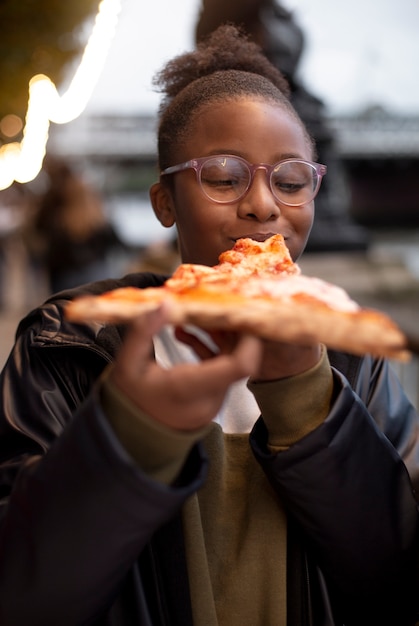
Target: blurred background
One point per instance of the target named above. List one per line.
(77, 143)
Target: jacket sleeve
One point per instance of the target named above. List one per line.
(349, 487)
(76, 511)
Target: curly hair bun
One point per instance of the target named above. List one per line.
(227, 48)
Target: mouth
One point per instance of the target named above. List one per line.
(261, 237)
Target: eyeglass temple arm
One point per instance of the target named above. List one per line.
(178, 168)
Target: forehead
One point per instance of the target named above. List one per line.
(246, 126)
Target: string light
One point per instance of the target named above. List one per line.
(23, 161)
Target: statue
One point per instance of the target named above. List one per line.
(274, 28)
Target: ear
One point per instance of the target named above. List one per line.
(162, 203)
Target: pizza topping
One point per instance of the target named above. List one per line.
(256, 288)
(247, 259)
(258, 257)
(289, 287)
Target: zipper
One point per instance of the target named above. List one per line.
(306, 591)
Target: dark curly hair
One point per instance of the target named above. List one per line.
(225, 66)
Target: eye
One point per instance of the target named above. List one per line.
(292, 178)
(224, 174)
(216, 176)
(288, 186)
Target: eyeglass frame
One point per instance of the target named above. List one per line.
(198, 163)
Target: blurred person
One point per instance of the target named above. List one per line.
(275, 29)
(70, 233)
(15, 280)
(160, 257)
(152, 476)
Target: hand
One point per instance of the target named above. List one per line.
(187, 396)
(279, 360)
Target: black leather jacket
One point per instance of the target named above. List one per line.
(87, 538)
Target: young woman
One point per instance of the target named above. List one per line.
(130, 492)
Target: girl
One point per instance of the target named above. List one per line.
(131, 494)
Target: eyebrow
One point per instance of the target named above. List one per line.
(282, 157)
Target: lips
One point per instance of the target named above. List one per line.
(256, 236)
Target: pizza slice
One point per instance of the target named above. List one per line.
(255, 288)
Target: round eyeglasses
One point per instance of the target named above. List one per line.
(226, 178)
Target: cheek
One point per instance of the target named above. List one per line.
(301, 226)
(189, 220)
(194, 224)
(302, 219)
(194, 213)
(309, 219)
(304, 230)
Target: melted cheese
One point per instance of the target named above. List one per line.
(289, 287)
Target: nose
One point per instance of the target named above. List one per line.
(259, 203)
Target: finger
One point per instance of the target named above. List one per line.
(137, 344)
(248, 352)
(218, 373)
(202, 350)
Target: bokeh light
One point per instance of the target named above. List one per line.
(22, 161)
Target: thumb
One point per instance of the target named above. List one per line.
(137, 344)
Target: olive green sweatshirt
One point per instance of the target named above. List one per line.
(234, 527)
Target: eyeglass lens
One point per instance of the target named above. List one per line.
(226, 179)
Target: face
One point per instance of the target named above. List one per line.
(260, 132)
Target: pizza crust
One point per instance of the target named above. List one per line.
(360, 332)
(268, 298)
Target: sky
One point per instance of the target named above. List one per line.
(358, 54)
